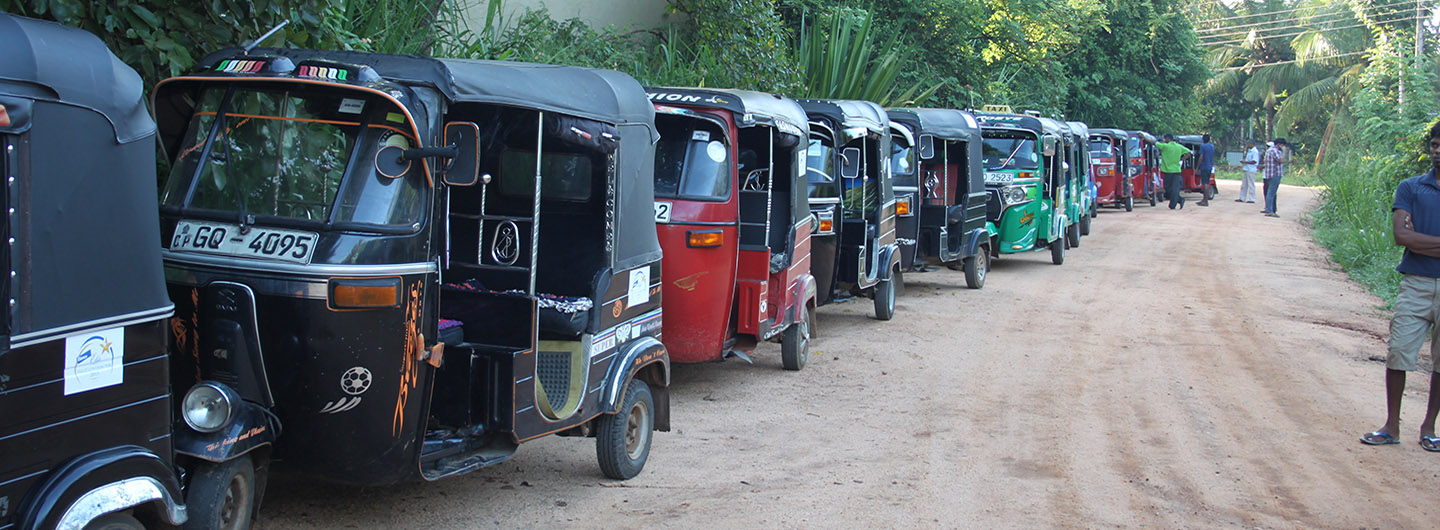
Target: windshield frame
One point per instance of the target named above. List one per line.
(728, 166)
(1012, 135)
(364, 141)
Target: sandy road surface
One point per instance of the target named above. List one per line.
(1204, 368)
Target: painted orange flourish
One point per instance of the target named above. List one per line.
(409, 373)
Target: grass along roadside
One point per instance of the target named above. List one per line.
(1302, 176)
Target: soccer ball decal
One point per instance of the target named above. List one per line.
(355, 381)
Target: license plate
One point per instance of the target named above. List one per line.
(662, 211)
(998, 178)
(262, 243)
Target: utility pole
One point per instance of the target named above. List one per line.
(1419, 31)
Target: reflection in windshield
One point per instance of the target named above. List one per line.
(902, 165)
(691, 164)
(1010, 153)
(1134, 148)
(1100, 148)
(284, 154)
(820, 169)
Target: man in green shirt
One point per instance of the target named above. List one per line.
(1171, 153)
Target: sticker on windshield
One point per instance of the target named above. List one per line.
(293, 246)
(700, 136)
(996, 177)
(352, 106)
(716, 150)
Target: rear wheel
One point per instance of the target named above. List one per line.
(222, 496)
(1094, 211)
(1072, 235)
(1057, 251)
(622, 440)
(1084, 225)
(1152, 197)
(1214, 191)
(976, 268)
(885, 297)
(899, 279)
(795, 345)
(1129, 203)
(115, 521)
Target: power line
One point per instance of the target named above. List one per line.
(1334, 16)
(1199, 22)
(1243, 67)
(1308, 30)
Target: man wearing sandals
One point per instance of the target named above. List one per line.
(1416, 219)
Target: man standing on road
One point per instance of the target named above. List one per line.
(1171, 153)
(1205, 169)
(1274, 165)
(1416, 220)
(1250, 165)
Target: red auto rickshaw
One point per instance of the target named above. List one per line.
(1110, 167)
(734, 222)
(1190, 179)
(1144, 167)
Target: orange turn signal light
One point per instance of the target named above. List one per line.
(1025, 174)
(827, 225)
(902, 207)
(364, 293)
(704, 238)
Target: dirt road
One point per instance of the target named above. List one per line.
(1203, 368)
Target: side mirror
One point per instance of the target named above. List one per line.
(927, 146)
(850, 166)
(1048, 145)
(464, 169)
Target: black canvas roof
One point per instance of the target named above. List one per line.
(1190, 139)
(948, 124)
(1119, 133)
(1080, 129)
(849, 113)
(764, 108)
(1013, 121)
(48, 61)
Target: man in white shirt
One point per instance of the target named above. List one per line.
(1250, 166)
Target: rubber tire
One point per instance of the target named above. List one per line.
(210, 500)
(1129, 203)
(1084, 225)
(976, 268)
(612, 433)
(1152, 198)
(795, 344)
(1057, 251)
(115, 521)
(1072, 235)
(1094, 211)
(1214, 191)
(885, 298)
(899, 280)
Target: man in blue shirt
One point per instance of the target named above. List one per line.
(1205, 169)
(1416, 220)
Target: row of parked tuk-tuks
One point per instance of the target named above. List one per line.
(373, 268)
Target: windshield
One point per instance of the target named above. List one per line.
(691, 162)
(820, 169)
(284, 154)
(1134, 147)
(902, 165)
(1100, 147)
(1010, 152)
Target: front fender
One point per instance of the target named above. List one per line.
(633, 357)
(890, 256)
(974, 238)
(248, 430)
(110, 480)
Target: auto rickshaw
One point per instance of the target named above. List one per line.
(1145, 167)
(1190, 178)
(853, 250)
(1023, 158)
(390, 268)
(1111, 168)
(946, 192)
(1079, 147)
(734, 221)
(85, 438)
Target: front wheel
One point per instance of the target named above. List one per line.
(1129, 203)
(1214, 191)
(1153, 194)
(1084, 225)
(885, 298)
(1072, 235)
(976, 268)
(622, 440)
(222, 496)
(115, 521)
(795, 344)
(1094, 211)
(1057, 251)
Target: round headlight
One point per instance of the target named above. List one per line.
(206, 408)
(1015, 194)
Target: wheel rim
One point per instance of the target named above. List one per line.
(234, 512)
(982, 265)
(637, 433)
(804, 345)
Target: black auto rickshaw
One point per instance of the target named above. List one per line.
(377, 279)
(946, 185)
(85, 401)
(853, 251)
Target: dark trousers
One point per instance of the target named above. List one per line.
(1172, 189)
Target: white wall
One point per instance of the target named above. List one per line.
(597, 13)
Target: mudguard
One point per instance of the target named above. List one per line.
(110, 480)
(805, 293)
(973, 239)
(249, 429)
(633, 357)
(990, 229)
(890, 256)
